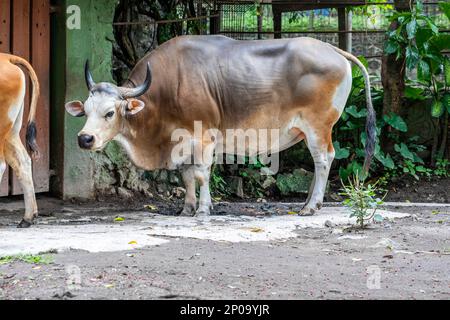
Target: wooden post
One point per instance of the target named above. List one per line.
(259, 17)
(277, 23)
(5, 33)
(214, 23)
(342, 26)
(349, 28)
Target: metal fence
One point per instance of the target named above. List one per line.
(366, 27)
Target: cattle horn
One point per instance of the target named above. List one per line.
(139, 90)
(88, 76)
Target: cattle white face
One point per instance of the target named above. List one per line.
(105, 109)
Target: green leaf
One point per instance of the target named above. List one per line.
(341, 153)
(386, 161)
(352, 110)
(423, 71)
(412, 57)
(419, 6)
(396, 122)
(423, 35)
(415, 93)
(437, 109)
(447, 71)
(446, 101)
(445, 7)
(404, 151)
(391, 47)
(441, 42)
(411, 29)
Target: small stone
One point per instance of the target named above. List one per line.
(329, 224)
(179, 192)
(124, 193)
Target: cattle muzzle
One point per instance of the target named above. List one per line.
(86, 141)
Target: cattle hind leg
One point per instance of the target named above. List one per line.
(202, 174)
(19, 160)
(190, 199)
(322, 152)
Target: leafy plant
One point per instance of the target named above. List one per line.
(218, 184)
(418, 40)
(442, 168)
(362, 200)
(27, 258)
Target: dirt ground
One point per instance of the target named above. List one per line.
(406, 258)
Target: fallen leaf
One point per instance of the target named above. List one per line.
(132, 242)
(292, 212)
(151, 207)
(256, 230)
(109, 286)
(119, 219)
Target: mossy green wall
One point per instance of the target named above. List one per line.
(75, 169)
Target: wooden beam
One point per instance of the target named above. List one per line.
(342, 26)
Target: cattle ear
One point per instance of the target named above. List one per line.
(134, 106)
(75, 108)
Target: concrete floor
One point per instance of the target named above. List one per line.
(248, 251)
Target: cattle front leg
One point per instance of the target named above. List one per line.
(19, 160)
(190, 200)
(202, 174)
(323, 156)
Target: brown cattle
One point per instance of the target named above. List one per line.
(298, 87)
(12, 151)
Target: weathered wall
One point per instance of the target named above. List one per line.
(80, 174)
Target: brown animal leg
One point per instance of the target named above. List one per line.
(202, 174)
(19, 160)
(190, 200)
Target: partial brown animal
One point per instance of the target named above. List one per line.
(12, 151)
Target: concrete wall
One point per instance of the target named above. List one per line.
(75, 170)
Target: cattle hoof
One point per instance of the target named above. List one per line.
(202, 213)
(307, 212)
(187, 212)
(24, 224)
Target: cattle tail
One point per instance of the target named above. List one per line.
(371, 130)
(31, 126)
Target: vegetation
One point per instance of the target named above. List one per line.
(362, 200)
(27, 258)
(364, 17)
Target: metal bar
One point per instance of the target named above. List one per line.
(358, 3)
(318, 31)
(164, 21)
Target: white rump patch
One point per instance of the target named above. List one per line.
(343, 90)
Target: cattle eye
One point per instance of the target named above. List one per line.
(109, 115)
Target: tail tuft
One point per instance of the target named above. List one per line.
(31, 140)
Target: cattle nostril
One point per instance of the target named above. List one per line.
(86, 141)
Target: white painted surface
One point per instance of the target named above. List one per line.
(155, 230)
(92, 238)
